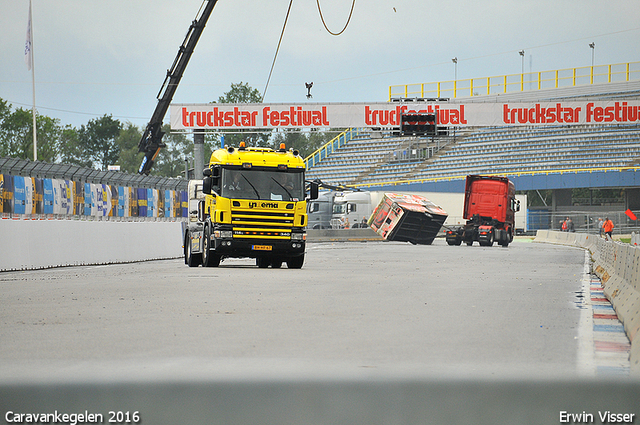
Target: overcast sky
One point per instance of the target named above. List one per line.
(110, 56)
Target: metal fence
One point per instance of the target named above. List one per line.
(38, 169)
(583, 221)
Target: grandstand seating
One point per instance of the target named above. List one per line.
(503, 150)
(488, 150)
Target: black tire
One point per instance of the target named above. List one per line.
(295, 262)
(209, 258)
(191, 259)
(276, 263)
(262, 262)
(489, 242)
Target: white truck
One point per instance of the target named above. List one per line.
(353, 209)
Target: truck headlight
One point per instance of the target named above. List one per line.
(298, 236)
(224, 234)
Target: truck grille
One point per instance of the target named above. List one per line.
(262, 224)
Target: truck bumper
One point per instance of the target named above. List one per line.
(255, 248)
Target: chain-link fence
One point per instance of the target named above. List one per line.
(581, 221)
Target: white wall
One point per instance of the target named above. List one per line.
(34, 244)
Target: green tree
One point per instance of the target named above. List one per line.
(98, 141)
(241, 93)
(71, 150)
(171, 159)
(16, 134)
(129, 158)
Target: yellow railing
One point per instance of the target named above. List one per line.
(329, 147)
(517, 174)
(570, 77)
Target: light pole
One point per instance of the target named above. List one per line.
(521, 52)
(593, 52)
(455, 68)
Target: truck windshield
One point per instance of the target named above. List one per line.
(340, 208)
(262, 185)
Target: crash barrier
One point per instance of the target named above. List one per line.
(635, 239)
(36, 244)
(283, 397)
(38, 190)
(618, 266)
(337, 235)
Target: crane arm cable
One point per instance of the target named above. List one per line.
(277, 50)
(345, 25)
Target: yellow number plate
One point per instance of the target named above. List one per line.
(261, 247)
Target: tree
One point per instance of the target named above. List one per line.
(242, 93)
(171, 159)
(129, 158)
(305, 142)
(98, 140)
(16, 134)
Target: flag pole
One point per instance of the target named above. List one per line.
(31, 66)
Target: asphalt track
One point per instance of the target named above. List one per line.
(354, 306)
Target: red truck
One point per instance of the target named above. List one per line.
(489, 207)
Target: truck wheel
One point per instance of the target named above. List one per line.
(276, 263)
(262, 262)
(191, 259)
(209, 259)
(295, 262)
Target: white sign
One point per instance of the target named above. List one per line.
(217, 116)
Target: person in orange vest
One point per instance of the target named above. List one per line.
(608, 228)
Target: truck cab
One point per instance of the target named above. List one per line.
(254, 206)
(489, 207)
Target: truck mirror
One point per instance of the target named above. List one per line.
(207, 183)
(206, 172)
(517, 206)
(313, 190)
(201, 216)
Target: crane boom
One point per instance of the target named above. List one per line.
(151, 141)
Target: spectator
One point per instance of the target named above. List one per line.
(608, 228)
(600, 224)
(565, 223)
(570, 226)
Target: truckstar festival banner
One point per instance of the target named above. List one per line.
(218, 116)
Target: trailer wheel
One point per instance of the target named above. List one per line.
(190, 259)
(209, 259)
(295, 262)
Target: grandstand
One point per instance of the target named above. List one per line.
(554, 157)
(379, 158)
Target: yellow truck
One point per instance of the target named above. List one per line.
(255, 205)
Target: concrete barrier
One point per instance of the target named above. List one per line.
(37, 244)
(342, 235)
(618, 267)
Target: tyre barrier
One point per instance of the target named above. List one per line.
(618, 267)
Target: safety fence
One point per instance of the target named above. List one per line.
(618, 266)
(37, 190)
(501, 84)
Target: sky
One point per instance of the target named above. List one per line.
(93, 58)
